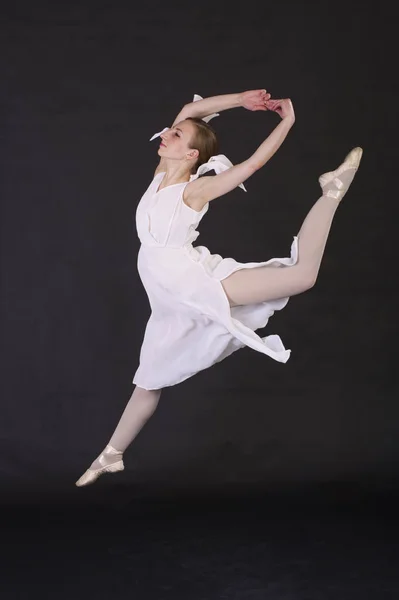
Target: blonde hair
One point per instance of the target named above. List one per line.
(204, 140)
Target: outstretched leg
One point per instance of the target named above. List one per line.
(139, 409)
(261, 284)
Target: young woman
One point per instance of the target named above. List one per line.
(205, 307)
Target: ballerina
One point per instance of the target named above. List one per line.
(205, 307)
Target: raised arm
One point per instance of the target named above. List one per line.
(251, 100)
(202, 190)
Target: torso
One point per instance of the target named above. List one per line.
(193, 202)
(164, 219)
(189, 196)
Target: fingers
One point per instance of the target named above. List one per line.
(263, 93)
(262, 100)
(256, 99)
(273, 104)
(265, 97)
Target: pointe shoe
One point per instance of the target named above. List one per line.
(91, 475)
(333, 181)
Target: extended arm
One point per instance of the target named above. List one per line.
(251, 100)
(204, 189)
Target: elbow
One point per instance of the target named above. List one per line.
(185, 112)
(309, 280)
(253, 166)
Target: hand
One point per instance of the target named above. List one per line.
(282, 107)
(255, 99)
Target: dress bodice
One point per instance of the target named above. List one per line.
(163, 219)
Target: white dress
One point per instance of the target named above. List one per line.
(192, 325)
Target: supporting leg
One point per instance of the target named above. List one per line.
(139, 409)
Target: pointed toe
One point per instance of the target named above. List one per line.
(336, 183)
(91, 475)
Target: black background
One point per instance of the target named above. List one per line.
(83, 89)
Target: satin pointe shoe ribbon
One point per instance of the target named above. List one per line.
(336, 183)
(338, 192)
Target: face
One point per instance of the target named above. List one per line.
(175, 142)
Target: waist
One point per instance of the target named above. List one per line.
(164, 248)
(157, 252)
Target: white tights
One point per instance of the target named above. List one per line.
(139, 409)
(249, 286)
(246, 286)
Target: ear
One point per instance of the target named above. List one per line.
(193, 153)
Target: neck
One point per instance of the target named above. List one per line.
(176, 172)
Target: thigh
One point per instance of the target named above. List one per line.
(260, 284)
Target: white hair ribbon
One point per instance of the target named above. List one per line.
(209, 117)
(159, 133)
(206, 119)
(218, 163)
